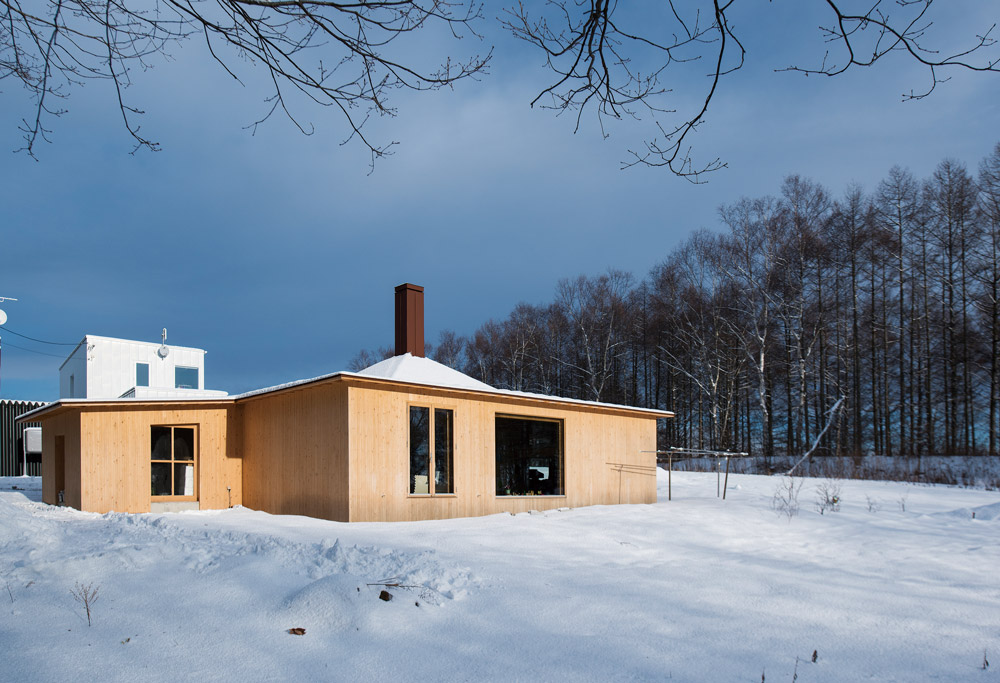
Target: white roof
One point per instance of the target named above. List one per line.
(416, 370)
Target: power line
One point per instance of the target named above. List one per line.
(40, 341)
(40, 353)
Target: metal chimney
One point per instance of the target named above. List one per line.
(410, 320)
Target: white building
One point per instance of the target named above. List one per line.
(108, 368)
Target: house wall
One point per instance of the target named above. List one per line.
(104, 367)
(294, 446)
(595, 442)
(75, 367)
(111, 365)
(64, 426)
(107, 455)
(340, 450)
(115, 456)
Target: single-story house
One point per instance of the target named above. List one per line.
(405, 439)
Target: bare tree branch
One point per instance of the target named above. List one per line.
(604, 57)
(598, 64)
(50, 46)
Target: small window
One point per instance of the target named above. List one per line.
(431, 451)
(142, 374)
(529, 456)
(173, 462)
(185, 378)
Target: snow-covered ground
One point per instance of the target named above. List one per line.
(697, 589)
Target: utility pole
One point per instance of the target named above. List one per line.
(3, 321)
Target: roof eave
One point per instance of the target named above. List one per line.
(64, 404)
(507, 394)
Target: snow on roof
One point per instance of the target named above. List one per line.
(410, 368)
(414, 370)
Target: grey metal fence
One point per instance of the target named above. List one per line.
(12, 435)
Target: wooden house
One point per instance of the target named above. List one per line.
(405, 439)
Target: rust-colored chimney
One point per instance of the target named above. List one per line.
(410, 320)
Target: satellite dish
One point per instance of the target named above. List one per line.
(3, 318)
(163, 351)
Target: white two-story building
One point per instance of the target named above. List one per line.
(109, 368)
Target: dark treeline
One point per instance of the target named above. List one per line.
(875, 314)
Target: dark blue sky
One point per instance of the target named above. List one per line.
(278, 253)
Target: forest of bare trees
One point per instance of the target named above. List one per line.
(887, 298)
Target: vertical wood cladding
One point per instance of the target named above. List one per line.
(339, 449)
(106, 462)
(595, 441)
(294, 446)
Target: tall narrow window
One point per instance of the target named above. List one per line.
(431, 451)
(443, 431)
(529, 456)
(185, 378)
(173, 461)
(420, 449)
(142, 374)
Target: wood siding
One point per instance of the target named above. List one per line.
(596, 444)
(338, 449)
(107, 455)
(64, 426)
(115, 473)
(294, 447)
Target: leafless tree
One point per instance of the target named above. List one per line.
(804, 327)
(615, 59)
(596, 309)
(950, 197)
(346, 55)
(368, 357)
(897, 206)
(754, 260)
(700, 342)
(989, 277)
(612, 58)
(450, 349)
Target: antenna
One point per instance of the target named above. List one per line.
(3, 316)
(163, 351)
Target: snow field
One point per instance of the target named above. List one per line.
(697, 589)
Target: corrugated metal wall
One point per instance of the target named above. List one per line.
(10, 438)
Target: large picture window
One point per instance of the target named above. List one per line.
(174, 462)
(432, 449)
(529, 454)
